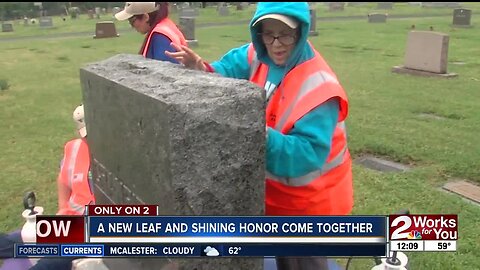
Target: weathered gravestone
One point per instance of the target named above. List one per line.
(115, 10)
(98, 11)
(74, 12)
(223, 11)
(336, 6)
(377, 18)
(385, 5)
(189, 141)
(462, 17)
(7, 27)
(313, 23)
(426, 54)
(25, 21)
(45, 22)
(242, 5)
(90, 14)
(105, 30)
(188, 12)
(187, 26)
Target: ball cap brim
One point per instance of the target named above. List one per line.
(291, 22)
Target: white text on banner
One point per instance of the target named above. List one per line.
(181, 239)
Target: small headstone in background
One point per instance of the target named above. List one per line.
(115, 10)
(462, 17)
(223, 11)
(426, 54)
(98, 11)
(74, 12)
(187, 26)
(104, 11)
(188, 12)
(313, 23)
(441, 4)
(385, 5)
(105, 29)
(7, 27)
(46, 22)
(25, 21)
(336, 6)
(377, 18)
(90, 14)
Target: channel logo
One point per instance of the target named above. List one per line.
(425, 227)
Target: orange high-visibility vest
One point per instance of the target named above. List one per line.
(168, 28)
(74, 174)
(327, 191)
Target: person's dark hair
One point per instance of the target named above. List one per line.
(154, 18)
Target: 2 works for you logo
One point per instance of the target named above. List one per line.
(423, 227)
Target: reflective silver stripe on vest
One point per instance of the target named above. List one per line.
(310, 177)
(254, 65)
(75, 206)
(71, 163)
(313, 81)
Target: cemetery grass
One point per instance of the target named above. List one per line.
(35, 119)
(210, 15)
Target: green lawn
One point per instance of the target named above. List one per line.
(35, 118)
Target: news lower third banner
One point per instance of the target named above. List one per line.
(248, 229)
(210, 236)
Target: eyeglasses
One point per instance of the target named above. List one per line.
(132, 19)
(286, 40)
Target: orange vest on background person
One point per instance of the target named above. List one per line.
(74, 174)
(328, 191)
(168, 28)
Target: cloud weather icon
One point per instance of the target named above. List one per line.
(210, 251)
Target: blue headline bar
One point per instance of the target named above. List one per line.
(246, 226)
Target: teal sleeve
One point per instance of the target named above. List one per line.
(306, 147)
(234, 64)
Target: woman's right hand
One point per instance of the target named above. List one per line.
(187, 57)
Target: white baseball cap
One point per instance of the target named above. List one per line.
(135, 8)
(79, 119)
(291, 22)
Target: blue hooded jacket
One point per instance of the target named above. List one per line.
(306, 147)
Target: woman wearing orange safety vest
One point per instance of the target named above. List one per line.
(151, 18)
(308, 165)
(74, 179)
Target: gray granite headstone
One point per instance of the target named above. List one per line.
(90, 14)
(385, 5)
(187, 26)
(25, 21)
(191, 142)
(462, 17)
(7, 27)
(313, 23)
(223, 11)
(46, 22)
(377, 18)
(105, 29)
(336, 6)
(188, 12)
(426, 55)
(98, 12)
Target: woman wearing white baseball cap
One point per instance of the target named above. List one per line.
(151, 18)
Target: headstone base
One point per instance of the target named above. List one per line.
(192, 43)
(95, 36)
(461, 26)
(404, 70)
